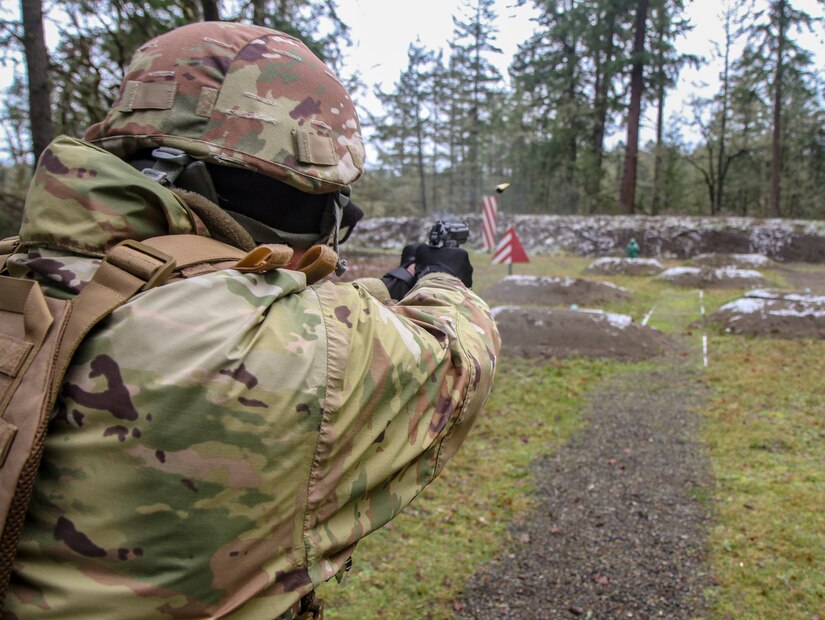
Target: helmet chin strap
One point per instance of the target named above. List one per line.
(338, 206)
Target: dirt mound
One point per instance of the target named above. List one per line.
(707, 277)
(610, 265)
(743, 261)
(773, 313)
(545, 333)
(552, 291)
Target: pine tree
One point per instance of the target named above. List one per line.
(549, 81)
(404, 130)
(773, 40)
(473, 82)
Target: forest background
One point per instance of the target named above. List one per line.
(451, 126)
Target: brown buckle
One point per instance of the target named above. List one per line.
(132, 256)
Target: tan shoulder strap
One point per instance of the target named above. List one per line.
(8, 246)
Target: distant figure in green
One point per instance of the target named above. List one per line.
(632, 248)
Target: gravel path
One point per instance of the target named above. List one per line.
(618, 531)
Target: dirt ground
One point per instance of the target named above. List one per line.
(552, 291)
(805, 281)
(544, 333)
(618, 530)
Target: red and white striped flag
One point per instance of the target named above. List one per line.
(489, 207)
(510, 250)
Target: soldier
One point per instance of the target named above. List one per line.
(221, 442)
(632, 249)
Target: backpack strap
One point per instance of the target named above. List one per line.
(8, 246)
(129, 267)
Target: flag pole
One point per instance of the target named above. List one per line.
(500, 188)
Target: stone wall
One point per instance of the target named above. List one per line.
(666, 236)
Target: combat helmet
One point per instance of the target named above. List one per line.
(242, 96)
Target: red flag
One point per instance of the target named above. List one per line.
(510, 250)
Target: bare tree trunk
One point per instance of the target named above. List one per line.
(658, 158)
(259, 12)
(661, 26)
(776, 145)
(627, 198)
(601, 89)
(419, 143)
(37, 65)
(721, 166)
(210, 10)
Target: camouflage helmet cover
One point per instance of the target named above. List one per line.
(242, 96)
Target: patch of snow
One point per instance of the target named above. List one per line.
(766, 294)
(525, 280)
(754, 260)
(761, 293)
(619, 321)
(495, 311)
(675, 272)
(804, 311)
(744, 305)
(607, 260)
(614, 261)
(651, 262)
(725, 273)
(616, 286)
(812, 299)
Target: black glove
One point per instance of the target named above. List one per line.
(399, 281)
(408, 254)
(454, 261)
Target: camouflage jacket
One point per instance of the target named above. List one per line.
(222, 442)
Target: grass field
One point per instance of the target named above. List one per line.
(764, 429)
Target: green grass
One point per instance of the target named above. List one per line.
(416, 566)
(765, 431)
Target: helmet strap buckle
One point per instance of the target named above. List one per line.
(169, 163)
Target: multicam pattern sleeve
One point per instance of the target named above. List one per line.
(405, 385)
(222, 442)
